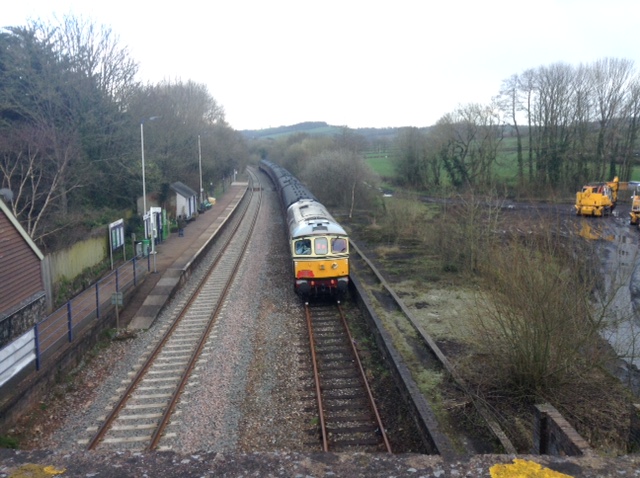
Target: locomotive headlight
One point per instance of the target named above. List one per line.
(334, 265)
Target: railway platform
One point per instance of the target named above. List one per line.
(173, 258)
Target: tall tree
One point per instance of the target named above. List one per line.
(630, 133)
(510, 102)
(95, 52)
(41, 152)
(412, 163)
(468, 142)
(554, 115)
(341, 178)
(580, 120)
(610, 80)
(105, 82)
(67, 84)
(527, 89)
(181, 112)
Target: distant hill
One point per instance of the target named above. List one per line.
(308, 127)
(319, 128)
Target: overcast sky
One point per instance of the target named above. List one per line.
(351, 62)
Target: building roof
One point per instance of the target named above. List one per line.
(20, 229)
(183, 189)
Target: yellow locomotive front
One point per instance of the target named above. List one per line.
(319, 251)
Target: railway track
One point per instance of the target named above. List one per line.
(141, 416)
(348, 416)
(430, 357)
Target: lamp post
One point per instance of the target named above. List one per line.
(144, 191)
(144, 184)
(200, 168)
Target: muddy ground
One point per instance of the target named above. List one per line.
(599, 410)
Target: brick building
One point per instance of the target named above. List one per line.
(22, 291)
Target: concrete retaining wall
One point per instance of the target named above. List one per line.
(553, 435)
(434, 441)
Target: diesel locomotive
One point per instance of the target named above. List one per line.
(319, 246)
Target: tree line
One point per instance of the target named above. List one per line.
(560, 124)
(72, 114)
(72, 117)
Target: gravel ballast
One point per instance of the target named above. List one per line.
(246, 392)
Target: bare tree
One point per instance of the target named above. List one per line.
(510, 101)
(630, 134)
(610, 79)
(554, 114)
(527, 87)
(581, 151)
(95, 52)
(41, 152)
(562, 104)
(182, 111)
(341, 178)
(34, 163)
(469, 140)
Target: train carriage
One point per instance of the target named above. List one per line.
(319, 246)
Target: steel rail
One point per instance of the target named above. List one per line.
(157, 434)
(316, 376)
(354, 360)
(164, 421)
(112, 415)
(363, 376)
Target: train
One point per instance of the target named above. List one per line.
(318, 244)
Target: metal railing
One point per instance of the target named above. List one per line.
(61, 327)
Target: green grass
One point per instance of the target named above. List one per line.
(505, 168)
(381, 164)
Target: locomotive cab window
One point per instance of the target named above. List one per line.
(321, 245)
(303, 247)
(338, 245)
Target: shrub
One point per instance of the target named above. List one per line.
(535, 316)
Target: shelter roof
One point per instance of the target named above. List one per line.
(183, 189)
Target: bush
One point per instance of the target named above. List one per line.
(535, 317)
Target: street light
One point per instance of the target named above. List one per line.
(200, 167)
(144, 192)
(144, 184)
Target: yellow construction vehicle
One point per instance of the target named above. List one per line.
(597, 199)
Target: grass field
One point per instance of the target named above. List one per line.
(505, 167)
(381, 163)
